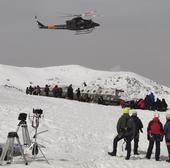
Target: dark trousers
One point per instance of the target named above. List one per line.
(150, 148)
(136, 141)
(168, 147)
(128, 140)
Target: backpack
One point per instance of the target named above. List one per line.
(131, 128)
(126, 127)
(155, 128)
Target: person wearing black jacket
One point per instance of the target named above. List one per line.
(70, 93)
(138, 128)
(125, 130)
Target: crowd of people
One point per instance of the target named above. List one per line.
(56, 91)
(65, 92)
(129, 128)
(148, 103)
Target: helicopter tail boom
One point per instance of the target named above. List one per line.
(42, 26)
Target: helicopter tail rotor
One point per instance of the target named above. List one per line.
(40, 25)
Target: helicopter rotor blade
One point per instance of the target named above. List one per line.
(68, 16)
(89, 14)
(63, 14)
(86, 14)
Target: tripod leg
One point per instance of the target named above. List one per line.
(30, 146)
(4, 152)
(22, 152)
(17, 128)
(43, 154)
(10, 151)
(25, 134)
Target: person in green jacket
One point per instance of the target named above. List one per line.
(126, 131)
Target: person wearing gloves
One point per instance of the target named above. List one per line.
(125, 130)
(155, 134)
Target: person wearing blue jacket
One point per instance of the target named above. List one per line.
(167, 134)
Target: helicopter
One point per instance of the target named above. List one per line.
(77, 23)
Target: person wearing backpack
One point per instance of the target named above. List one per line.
(125, 130)
(167, 134)
(138, 128)
(155, 134)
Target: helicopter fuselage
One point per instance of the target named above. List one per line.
(79, 23)
(76, 24)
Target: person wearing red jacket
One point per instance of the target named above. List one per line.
(155, 135)
(141, 104)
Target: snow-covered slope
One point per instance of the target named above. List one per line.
(135, 86)
(79, 134)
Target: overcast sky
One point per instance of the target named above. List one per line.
(134, 36)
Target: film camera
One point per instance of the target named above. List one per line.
(38, 112)
(22, 116)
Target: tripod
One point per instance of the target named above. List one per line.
(35, 124)
(8, 150)
(23, 125)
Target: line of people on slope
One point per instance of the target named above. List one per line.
(56, 91)
(129, 128)
(61, 92)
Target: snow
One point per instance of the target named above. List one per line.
(135, 86)
(79, 134)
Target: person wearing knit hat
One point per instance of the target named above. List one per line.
(134, 113)
(156, 115)
(167, 134)
(125, 130)
(125, 110)
(168, 116)
(138, 127)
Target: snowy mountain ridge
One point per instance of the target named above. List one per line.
(134, 86)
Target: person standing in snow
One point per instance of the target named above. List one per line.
(125, 129)
(167, 134)
(151, 101)
(46, 90)
(78, 94)
(164, 105)
(138, 127)
(70, 93)
(155, 134)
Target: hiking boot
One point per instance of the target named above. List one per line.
(147, 157)
(112, 153)
(127, 158)
(157, 158)
(136, 153)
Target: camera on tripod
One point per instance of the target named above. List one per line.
(38, 112)
(22, 117)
